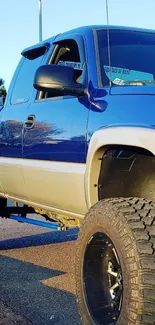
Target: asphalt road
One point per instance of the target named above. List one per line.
(37, 274)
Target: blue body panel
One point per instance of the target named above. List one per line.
(11, 124)
(124, 110)
(64, 126)
(60, 130)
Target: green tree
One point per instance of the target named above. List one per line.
(2, 88)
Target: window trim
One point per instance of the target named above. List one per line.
(98, 63)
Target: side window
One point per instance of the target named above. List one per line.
(23, 86)
(67, 53)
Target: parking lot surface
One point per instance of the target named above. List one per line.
(37, 283)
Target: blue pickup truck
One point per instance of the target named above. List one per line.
(77, 145)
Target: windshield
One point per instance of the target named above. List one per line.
(132, 57)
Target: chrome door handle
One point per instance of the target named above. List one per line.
(30, 122)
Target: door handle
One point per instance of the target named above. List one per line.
(30, 122)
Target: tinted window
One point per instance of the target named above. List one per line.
(69, 55)
(24, 83)
(132, 56)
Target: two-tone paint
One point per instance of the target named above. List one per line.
(56, 165)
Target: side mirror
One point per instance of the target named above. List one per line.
(57, 79)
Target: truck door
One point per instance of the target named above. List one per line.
(55, 147)
(11, 129)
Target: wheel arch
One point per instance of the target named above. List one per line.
(102, 163)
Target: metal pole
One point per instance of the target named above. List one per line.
(40, 20)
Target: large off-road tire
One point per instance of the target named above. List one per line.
(115, 263)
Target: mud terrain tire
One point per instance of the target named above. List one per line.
(115, 263)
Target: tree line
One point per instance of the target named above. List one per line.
(2, 88)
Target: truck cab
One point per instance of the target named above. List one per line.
(46, 134)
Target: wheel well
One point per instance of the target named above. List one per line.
(115, 150)
(126, 171)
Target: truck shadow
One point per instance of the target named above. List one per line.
(22, 289)
(47, 238)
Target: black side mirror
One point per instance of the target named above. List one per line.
(57, 79)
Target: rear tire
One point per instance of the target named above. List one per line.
(115, 263)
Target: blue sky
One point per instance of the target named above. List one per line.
(19, 22)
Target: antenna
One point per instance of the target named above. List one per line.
(108, 38)
(40, 20)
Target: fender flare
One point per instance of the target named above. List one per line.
(139, 137)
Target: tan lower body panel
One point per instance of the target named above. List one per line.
(11, 178)
(46, 184)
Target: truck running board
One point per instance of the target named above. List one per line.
(39, 223)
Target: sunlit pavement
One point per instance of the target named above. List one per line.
(37, 273)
